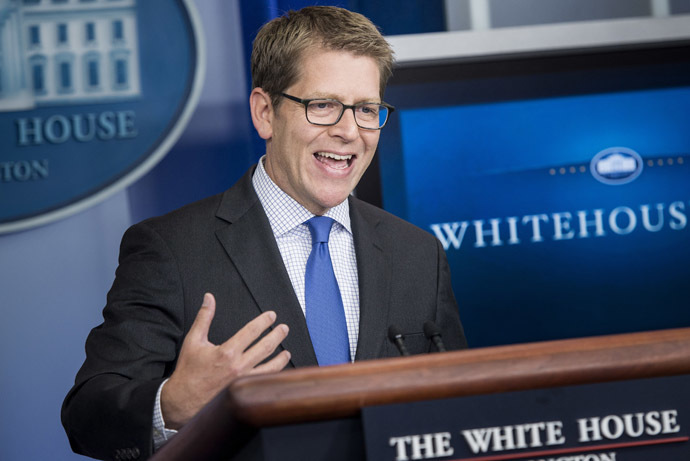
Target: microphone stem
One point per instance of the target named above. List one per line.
(439, 344)
(401, 346)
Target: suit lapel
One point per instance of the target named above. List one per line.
(374, 281)
(249, 242)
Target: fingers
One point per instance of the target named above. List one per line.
(266, 346)
(237, 348)
(202, 322)
(274, 365)
(239, 344)
(251, 331)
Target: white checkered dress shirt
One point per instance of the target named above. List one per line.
(287, 219)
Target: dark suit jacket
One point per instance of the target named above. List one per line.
(224, 245)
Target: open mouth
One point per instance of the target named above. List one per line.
(335, 161)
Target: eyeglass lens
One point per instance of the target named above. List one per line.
(327, 112)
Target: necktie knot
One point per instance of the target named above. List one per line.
(320, 228)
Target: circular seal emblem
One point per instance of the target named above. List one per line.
(92, 96)
(616, 165)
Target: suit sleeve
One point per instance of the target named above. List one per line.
(447, 314)
(108, 413)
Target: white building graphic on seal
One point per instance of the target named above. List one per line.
(56, 52)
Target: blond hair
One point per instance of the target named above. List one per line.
(280, 44)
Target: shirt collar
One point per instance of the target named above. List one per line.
(285, 213)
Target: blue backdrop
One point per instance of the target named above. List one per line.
(539, 248)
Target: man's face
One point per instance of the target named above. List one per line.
(319, 166)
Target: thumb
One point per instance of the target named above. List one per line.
(202, 322)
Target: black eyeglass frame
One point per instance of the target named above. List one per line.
(305, 103)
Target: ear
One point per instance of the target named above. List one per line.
(262, 112)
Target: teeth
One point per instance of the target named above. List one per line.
(334, 156)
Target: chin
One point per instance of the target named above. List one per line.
(332, 200)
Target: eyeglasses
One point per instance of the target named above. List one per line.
(327, 112)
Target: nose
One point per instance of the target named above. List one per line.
(347, 127)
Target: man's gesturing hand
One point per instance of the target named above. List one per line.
(204, 369)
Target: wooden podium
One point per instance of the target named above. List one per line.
(295, 407)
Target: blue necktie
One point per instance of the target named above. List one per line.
(324, 306)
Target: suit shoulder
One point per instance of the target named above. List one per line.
(391, 222)
(195, 215)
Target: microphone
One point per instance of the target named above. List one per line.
(432, 332)
(396, 337)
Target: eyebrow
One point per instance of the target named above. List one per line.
(335, 97)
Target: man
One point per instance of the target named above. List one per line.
(318, 80)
